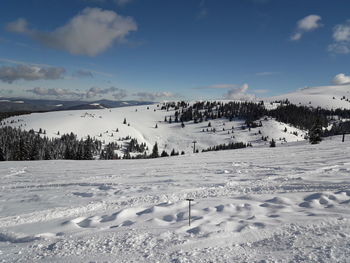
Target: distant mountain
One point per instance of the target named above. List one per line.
(22, 104)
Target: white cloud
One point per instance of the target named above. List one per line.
(307, 24)
(90, 32)
(117, 93)
(17, 26)
(239, 94)
(120, 94)
(341, 79)
(296, 36)
(153, 96)
(341, 39)
(342, 32)
(30, 72)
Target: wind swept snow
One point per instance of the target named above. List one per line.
(283, 204)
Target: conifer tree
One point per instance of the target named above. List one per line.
(315, 133)
(155, 153)
(164, 154)
(272, 143)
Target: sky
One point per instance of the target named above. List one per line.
(171, 49)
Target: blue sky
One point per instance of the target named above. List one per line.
(171, 49)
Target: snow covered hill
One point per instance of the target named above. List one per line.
(107, 125)
(329, 97)
(286, 204)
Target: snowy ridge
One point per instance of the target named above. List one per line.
(329, 97)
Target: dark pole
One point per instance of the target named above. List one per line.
(189, 210)
(343, 137)
(194, 146)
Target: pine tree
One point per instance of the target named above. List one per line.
(315, 133)
(155, 153)
(164, 154)
(272, 143)
(124, 122)
(174, 153)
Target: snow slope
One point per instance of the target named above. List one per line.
(319, 97)
(283, 204)
(103, 124)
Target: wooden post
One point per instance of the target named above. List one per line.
(194, 146)
(189, 210)
(343, 140)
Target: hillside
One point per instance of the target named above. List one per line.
(104, 123)
(329, 97)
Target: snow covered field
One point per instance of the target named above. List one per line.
(283, 204)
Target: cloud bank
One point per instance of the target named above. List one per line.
(117, 93)
(55, 92)
(90, 32)
(30, 72)
(92, 93)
